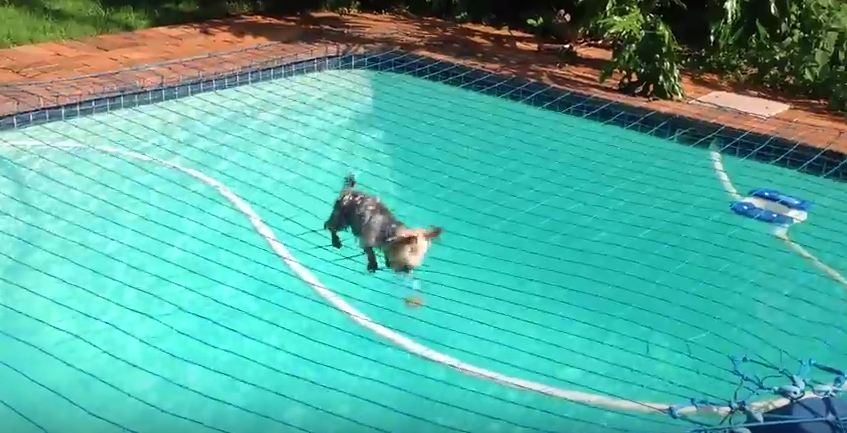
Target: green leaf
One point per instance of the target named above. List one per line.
(535, 22)
(822, 56)
(731, 9)
(808, 74)
(679, 3)
(761, 30)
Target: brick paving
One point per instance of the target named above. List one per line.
(60, 72)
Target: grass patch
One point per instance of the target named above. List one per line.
(33, 21)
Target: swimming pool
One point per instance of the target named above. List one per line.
(577, 253)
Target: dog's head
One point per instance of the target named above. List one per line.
(408, 247)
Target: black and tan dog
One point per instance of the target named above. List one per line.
(376, 227)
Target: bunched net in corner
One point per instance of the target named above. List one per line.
(165, 267)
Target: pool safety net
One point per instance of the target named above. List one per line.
(43, 148)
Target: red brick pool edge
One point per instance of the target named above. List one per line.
(34, 76)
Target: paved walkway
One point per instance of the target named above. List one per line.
(37, 75)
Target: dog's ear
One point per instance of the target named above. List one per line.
(433, 232)
(407, 240)
(403, 240)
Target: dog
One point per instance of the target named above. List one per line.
(375, 226)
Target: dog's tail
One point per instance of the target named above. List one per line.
(349, 181)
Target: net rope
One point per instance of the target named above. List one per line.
(458, 124)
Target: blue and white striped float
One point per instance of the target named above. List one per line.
(772, 206)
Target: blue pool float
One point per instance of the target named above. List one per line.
(757, 213)
(778, 197)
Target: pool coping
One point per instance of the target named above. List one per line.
(685, 129)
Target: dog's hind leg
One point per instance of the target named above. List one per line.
(387, 261)
(334, 223)
(372, 265)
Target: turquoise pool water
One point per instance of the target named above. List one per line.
(576, 254)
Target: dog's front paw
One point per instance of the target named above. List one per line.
(372, 267)
(336, 243)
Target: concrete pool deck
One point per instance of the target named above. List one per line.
(32, 76)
